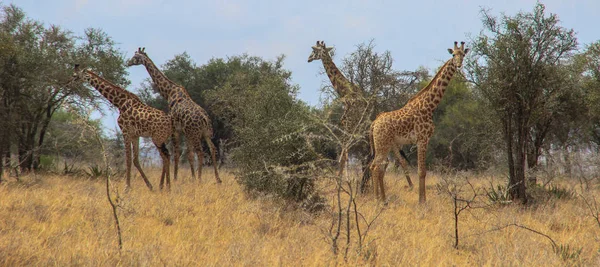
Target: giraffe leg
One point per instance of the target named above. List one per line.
(422, 151)
(404, 165)
(200, 155)
(377, 172)
(381, 183)
(175, 140)
(164, 154)
(342, 161)
(136, 161)
(128, 162)
(213, 156)
(190, 157)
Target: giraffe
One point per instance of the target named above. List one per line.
(352, 98)
(411, 124)
(188, 116)
(136, 120)
(349, 94)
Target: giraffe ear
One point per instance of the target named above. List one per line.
(328, 49)
(466, 51)
(450, 51)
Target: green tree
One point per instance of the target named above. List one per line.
(383, 88)
(588, 66)
(462, 138)
(68, 140)
(37, 63)
(254, 107)
(515, 62)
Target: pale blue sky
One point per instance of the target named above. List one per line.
(416, 32)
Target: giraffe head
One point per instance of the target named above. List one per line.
(319, 51)
(138, 57)
(78, 74)
(458, 53)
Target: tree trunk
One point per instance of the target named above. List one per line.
(519, 192)
(509, 148)
(37, 150)
(515, 157)
(26, 149)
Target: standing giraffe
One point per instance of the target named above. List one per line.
(352, 97)
(349, 94)
(188, 116)
(136, 120)
(411, 124)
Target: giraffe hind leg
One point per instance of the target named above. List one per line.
(200, 155)
(212, 148)
(377, 172)
(404, 163)
(164, 154)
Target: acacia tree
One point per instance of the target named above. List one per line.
(37, 63)
(588, 65)
(383, 88)
(514, 65)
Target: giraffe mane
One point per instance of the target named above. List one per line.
(130, 94)
(165, 76)
(430, 84)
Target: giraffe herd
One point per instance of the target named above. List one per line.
(411, 124)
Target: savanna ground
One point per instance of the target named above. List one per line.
(52, 220)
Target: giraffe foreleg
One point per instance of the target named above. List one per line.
(176, 155)
(136, 161)
(190, 157)
(213, 156)
(422, 172)
(128, 161)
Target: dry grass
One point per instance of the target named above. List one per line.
(65, 221)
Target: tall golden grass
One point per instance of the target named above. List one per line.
(53, 220)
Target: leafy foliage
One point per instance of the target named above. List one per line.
(254, 109)
(516, 66)
(35, 64)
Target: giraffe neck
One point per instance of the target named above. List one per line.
(166, 88)
(114, 94)
(431, 96)
(342, 86)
